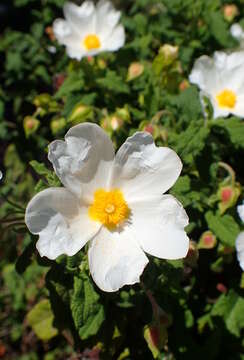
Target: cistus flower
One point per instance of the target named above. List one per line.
(240, 249)
(88, 29)
(114, 202)
(240, 210)
(237, 32)
(221, 80)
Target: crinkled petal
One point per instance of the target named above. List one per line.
(80, 18)
(225, 62)
(61, 221)
(83, 160)
(158, 225)
(240, 210)
(106, 18)
(240, 249)
(116, 39)
(239, 107)
(115, 260)
(204, 75)
(66, 36)
(142, 170)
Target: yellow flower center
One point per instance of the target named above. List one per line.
(109, 207)
(92, 42)
(226, 98)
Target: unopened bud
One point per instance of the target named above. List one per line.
(80, 113)
(228, 196)
(192, 255)
(116, 122)
(30, 124)
(57, 125)
(50, 33)
(207, 240)
(101, 63)
(170, 52)
(184, 85)
(221, 288)
(135, 69)
(230, 12)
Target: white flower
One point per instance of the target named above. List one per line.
(240, 210)
(240, 249)
(113, 201)
(88, 30)
(221, 79)
(237, 32)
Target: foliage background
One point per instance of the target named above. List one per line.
(52, 310)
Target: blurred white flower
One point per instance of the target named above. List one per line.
(114, 202)
(240, 249)
(1, 175)
(240, 210)
(221, 79)
(88, 29)
(237, 32)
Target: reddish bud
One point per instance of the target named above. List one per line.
(207, 240)
(149, 128)
(58, 81)
(183, 85)
(50, 33)
(230, 12)
(226, 194)
(221, 288)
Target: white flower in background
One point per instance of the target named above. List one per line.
(240, 238)
(114, 202)
(240, 210)
(237, 32)
(240, 249)
(88, 29)
(221, 79)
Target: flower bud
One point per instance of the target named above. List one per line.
(221, 288)
(101, 63)
(31, 125)
(123, 113)
(192, 255)
(116, 123)
(207, 240)
(135, 70)
(230, 12)
(50, 33)
(170, 52)
(80, 113)
(228, 196)
(58, 80)
(184, 85)
(57, 125)
(156, 336)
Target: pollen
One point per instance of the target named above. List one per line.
(226, 99)
(109, 207)
(92, 42)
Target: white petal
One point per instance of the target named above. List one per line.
(142, 170)
(115, 260)
(240, 210)
(81, 18)
(61, 221)
(204, 74)
(116, 39)
(106, 18)
(240, 249)
(83, 160)
(239, 107)
(158, 225)
(236, 31)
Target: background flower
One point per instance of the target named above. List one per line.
(88, 29)
(221, 80)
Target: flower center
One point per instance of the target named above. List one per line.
(226, 98)
(109, 207)
(92, 42)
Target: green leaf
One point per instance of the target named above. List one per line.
(224, 227)
(190, 143)
(234, 127)
(40, 318)
(74, 82)
(231, 308)
(49, 175)
(114, 83)
(87, 311)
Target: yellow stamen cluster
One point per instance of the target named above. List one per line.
(226, 99)
(109, 207)
(92, 42)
